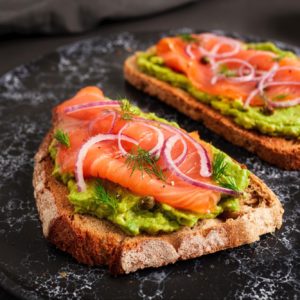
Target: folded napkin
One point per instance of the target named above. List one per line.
(62, 16)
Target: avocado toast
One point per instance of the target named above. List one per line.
(122, 188)
(247, 93)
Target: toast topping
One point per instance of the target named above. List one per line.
(150, 158)
(234, 70)
(258, 85)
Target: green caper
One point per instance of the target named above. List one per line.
(267, 110)
(147, 202)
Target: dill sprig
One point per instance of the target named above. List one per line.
(62, 137)
(220, 172)
(280, 97)
(188, 37)
(230, 183)
(279, 57)
(105, 198)
(125, 107)
(219, 166)
(143, 161)
(127, 110)
(224, 70)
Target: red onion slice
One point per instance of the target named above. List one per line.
(88, 105)
(180, 158)
(243, 78)
(250, 97)
(213, 53)
(172, 166)
(101, 117)
(155, 150)
(286, 103)
(266, 77)
(189, 52)
(84, 150)
(296, 68)
(205, 164)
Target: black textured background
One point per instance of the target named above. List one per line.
(266, 270)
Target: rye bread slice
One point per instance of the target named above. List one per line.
(281, 152)
(99, 242)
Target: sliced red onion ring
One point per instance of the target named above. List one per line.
(189, 52)
(260, 89)
(172, 166)
(155, 150)
(180, 158)
(205, 164)
(288, 68)
(84, 150)
(262, 53)
(244, 63)
(267, 77)
(286, 103)
(88, 105)
(101, 117)
(250, 97)
(213, 53)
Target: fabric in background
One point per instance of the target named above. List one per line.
(73, 16)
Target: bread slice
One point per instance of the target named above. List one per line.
(278, 151)
(98, 242)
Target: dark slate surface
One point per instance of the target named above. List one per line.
(33, 269)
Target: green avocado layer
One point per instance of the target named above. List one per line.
(135, 214)
(283, 122)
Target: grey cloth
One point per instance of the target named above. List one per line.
(61, 16)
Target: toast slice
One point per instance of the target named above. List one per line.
(98, 242)
(281, 152)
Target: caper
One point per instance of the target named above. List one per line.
(147, 202)
(267, 110)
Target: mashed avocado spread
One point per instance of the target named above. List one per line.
(283, 122)
(135, 214)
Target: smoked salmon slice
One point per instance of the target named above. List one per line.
(105, 159)
(226, 67)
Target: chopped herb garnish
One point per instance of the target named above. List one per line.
(143, 161)
(62, 137)
(224, 70)
(105, 198)
(221, 174)
(127, 112)
(188, 37)
(280, 97)
(230, 183)
(279, 57)
(219, 166)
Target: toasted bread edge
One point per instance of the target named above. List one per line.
(98, 242)
(278, 151)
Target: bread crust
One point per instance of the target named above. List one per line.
(278, 151)
(98, 242)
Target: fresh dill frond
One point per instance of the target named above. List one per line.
(280, 97)
(62, 137)
(220, 172)
(105, 198)
(143, 161)
(187, 37)
(219, 166)
(279, 57)
(224, 70)
(230, 183)
(126, 109)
